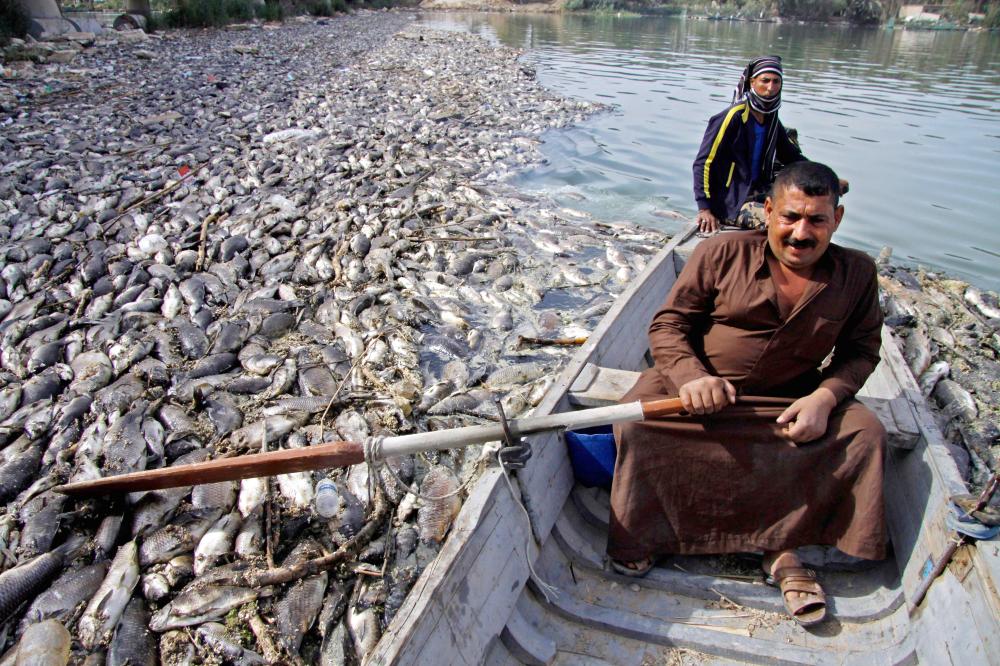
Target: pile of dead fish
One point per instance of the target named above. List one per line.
(223, 249)
(950, 334)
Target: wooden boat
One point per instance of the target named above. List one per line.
(479, 603)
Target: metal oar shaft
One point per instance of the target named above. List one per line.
(341, 454)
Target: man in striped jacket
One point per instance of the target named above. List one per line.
(741, 149)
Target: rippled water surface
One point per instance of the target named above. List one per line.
(911, 118)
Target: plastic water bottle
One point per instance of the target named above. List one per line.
(327, 500)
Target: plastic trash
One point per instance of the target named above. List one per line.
(327, 500)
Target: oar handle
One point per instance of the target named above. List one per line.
(654, 409)
(285, 461)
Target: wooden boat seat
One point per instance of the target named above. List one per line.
(596, 386)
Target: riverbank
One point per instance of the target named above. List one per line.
(270, 236)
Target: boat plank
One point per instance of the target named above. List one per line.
(955, 638)
(526, 643)
(497, 655)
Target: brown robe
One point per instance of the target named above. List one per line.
(730, 481)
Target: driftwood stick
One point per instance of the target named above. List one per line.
(553, 342)
(453, 239)
(263, 635)
(165, 191)
(280, 575)
(209, 219)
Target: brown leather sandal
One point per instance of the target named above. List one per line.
(808, 610)
(636, 569)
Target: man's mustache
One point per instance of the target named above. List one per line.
(800, 244)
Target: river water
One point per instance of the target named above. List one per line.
(910, 118)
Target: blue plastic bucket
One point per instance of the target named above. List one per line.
(592, 453)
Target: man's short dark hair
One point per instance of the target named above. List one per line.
(812, 178)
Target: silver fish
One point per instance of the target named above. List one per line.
(64, 596)
(106, 606)
(216, 542)
(198, 603)
(179, 537)
(218, 638)
(271, 429)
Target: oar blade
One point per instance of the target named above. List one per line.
(324, 456)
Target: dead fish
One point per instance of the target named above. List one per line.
(73, 410)
(227, 646)
(91, 371)
(133, 644)
(176, 421)
(21, 583)
(106, 606)
(262, 364)
(223, 413)
(250, 539)
(156, 507)
(297, 488)
(62, 599)
(955, 401)
(198, 603)
(41, 519)
(932, 375)
(400, 582)
(221, 495)
(216, 542)
(106, 536)
(179, 537)
(213, 364)
(10, 399)
(435, 393)
(271, 429)
(192, 340)
(519, 373)
(295, 613)
(18, 464)
(304, 404)
(124, 444)
(44, 644)
(917, 350)
(252, 495)
(363, 625)
(282, 380)
(463, 402)
(985, 302)
(434, 518)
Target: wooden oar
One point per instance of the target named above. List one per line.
(341, 454)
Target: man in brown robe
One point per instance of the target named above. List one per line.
(775, 453)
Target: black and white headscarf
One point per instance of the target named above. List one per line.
(744, 90)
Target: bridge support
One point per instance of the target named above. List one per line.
(45, 19)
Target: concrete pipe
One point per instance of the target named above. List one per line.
(130, 22)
